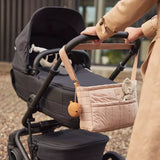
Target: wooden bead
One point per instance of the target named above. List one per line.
(74, 109)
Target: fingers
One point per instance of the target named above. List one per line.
(90, 31)
(126, 41)
(134, 33)
(84, 31)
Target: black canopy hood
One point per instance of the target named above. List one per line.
(49, 27)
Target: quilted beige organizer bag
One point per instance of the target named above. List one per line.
(104, 107)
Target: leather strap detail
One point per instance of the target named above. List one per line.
(91, 46)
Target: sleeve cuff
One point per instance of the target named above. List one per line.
(103, 31)
(149, 28)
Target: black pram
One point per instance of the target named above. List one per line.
(52, 28)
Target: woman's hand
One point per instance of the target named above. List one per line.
(91, 31)
(133, 34)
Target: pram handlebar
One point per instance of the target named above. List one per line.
(82, 38)
(120, 34)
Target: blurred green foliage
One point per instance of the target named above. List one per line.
(116, 56)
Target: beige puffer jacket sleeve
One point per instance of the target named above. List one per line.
(123, 14)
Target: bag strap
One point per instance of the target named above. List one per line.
(70, 69)
(67, 64)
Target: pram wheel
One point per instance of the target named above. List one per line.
(112, 156)
(15, 154)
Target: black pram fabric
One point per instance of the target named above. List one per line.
(70, 145)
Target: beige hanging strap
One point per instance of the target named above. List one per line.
(67, 64)
(76, 84)
(72, 74)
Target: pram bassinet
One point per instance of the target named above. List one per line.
(49, 29)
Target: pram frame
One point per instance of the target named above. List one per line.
(68, 47)
(30, 128)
